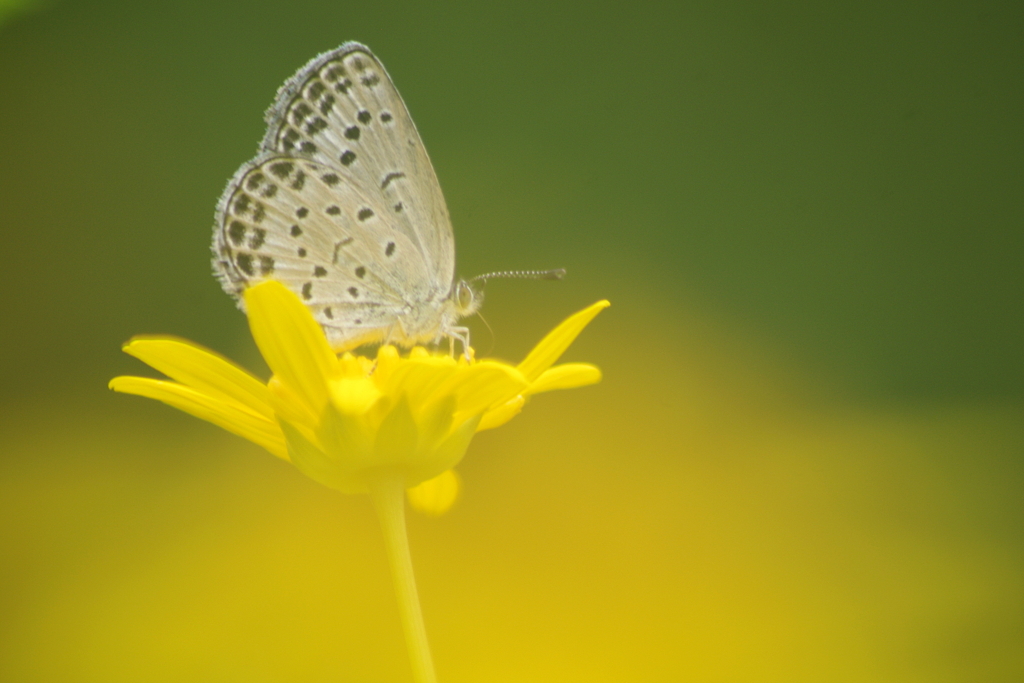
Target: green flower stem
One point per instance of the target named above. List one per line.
(389, 500)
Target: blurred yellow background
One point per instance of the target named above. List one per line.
(804, 462)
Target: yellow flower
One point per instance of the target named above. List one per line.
(351, 421)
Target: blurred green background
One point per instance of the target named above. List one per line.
(804, 463)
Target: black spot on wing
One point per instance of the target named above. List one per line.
(282, 169)
(316, 88)
(352, 132)
(290, 137)
(259, 236)
(348, 157)
(236, 232)
(296, 231)
(244, 262)
(364, 117)
(319, 271)
(365, 214)
(395, 175)
(333, 210)
(326, 104)
(390, 249)
(254, 181)
(307, 291)
(360, 272)
(300, 112)
(266, 265)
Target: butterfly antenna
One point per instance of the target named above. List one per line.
(556, 274)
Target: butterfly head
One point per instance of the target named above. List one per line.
(467, 298)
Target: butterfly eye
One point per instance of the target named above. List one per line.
(464, 297)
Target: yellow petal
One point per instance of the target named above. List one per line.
(435, 496)
(289, 406)
(419, 378)
(347, 438)
(448, 454)
(316, 464)
(398, 437)
(565, 376)
(482, 386)
(435, 421)
(557, 341)
(292, 342)
(202, 369)
(229, 415)
(502, 414)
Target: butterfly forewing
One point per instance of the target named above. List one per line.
(343, 207)
(343, 111)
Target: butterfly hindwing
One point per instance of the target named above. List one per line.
(293, 220)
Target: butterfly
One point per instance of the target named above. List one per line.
(342, 206)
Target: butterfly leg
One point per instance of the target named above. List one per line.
(462, 334)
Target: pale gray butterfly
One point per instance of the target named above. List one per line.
(342, 206)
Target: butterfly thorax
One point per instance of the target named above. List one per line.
(429, 322)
